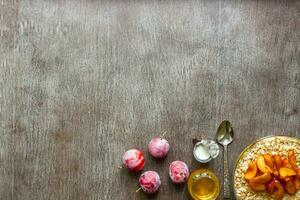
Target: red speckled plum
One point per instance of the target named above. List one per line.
(150, 182)
(179, 172)
(134, 160)
(158, 147)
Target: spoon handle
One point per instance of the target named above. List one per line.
(226, 175)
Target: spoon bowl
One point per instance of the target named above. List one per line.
(225, 133)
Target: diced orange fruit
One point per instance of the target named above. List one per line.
(297, 183)
(286, 163)
(262, 166)
(262, 178)
(285, 172)
(290, 187)
(278, 161)
(259, 172)
(269, 160)
(287, 179)
(257, 187)
(292, 158)
(251, 171)
(274, 174)
(270, 187)
(279, 190)
(298, 172)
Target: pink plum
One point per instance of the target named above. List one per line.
(150, 182)
(134, 160)
(158, 147)
(178, 171)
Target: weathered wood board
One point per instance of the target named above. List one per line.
(83, 81)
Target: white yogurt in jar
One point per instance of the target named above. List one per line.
(201, 152)
(205, 150)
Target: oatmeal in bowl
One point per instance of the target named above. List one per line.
(269, 169)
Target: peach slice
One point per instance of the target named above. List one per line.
(251, 171)
(262, 178)
(287, 179)
(279, 190)
(276, 173)
(262, 166)
(298, 173)
(290, 187)
(286, 163)
(296, 182)
(285, 172)
(269, 160)
(292, 159)
(257, 187)
(259, 172)
(278, 161)
(271, 186)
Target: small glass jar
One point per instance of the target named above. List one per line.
(203, 184)
(206, 150)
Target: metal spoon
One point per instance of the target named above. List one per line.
(225, 137)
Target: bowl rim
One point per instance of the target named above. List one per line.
(248, 147)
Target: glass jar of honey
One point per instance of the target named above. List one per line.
(203, 184)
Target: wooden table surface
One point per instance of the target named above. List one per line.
(82, 81)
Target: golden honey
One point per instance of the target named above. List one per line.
(203, 184)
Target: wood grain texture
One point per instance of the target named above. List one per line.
(83, 81)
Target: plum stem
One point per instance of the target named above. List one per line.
(163, 134)
(138, 189)
(120, 167)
